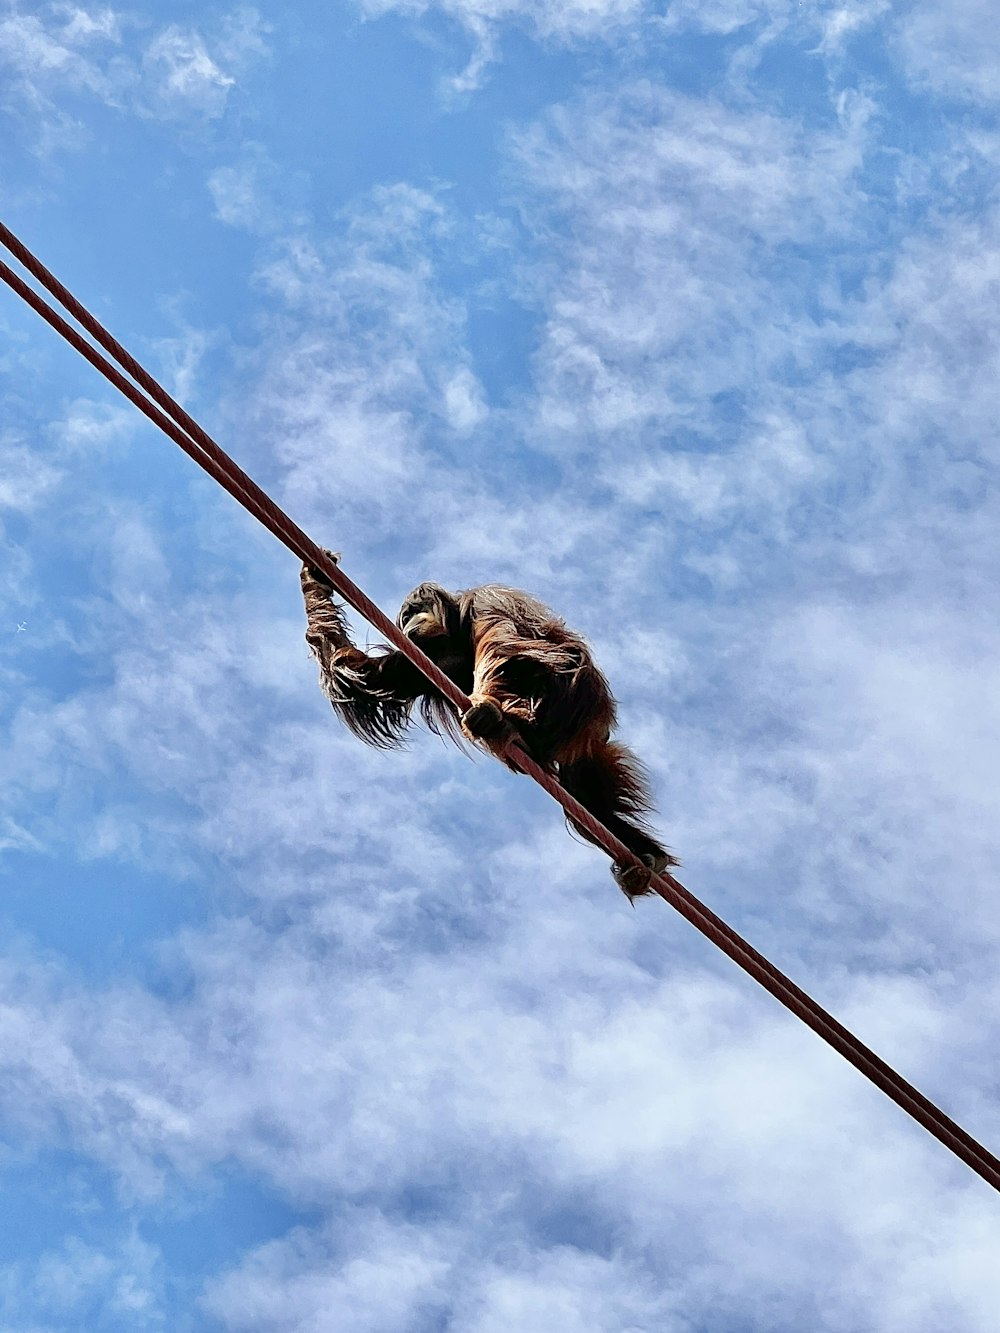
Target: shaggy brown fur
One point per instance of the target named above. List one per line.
(526, 675)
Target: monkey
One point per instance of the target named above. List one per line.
(528, 677)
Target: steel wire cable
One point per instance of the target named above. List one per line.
(180, 427)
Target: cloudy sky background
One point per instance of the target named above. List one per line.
(684, 317)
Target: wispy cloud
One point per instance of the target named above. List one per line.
(484, 20)
(57, 57)
(953, 48)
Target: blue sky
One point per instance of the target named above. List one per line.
(683, 317)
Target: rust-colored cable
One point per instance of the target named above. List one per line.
(175, 422)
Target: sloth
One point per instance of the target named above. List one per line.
(529, 678)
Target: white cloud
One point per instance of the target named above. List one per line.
(572, 22)
(25, 478)
(90, 428)
(840, 22)
(253, 193)
(773, 19)
(54, 43)
(81, 1283)
(548, 18)
(180, 358)
(463, 401)
(555, 20)
(59, 52)
(936, 329)
(661, 319)
(952, 47)
(53, 53)
(187, 70)
(239, 198)
(388, 1279)
(182, 75)
(589, 1104)
(364, 379)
